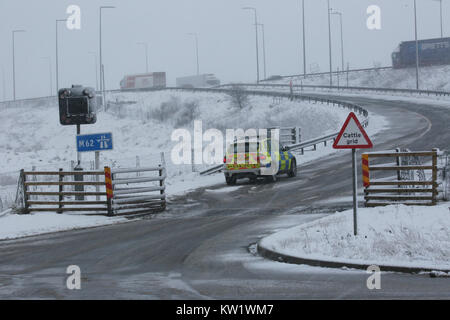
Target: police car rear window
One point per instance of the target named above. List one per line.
(247, 147)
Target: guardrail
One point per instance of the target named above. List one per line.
(327, 73)
(131, 191)
(404, 189)
(312, 143)
(342, 88)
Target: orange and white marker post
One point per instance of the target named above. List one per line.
(109, 190)
(353, 136)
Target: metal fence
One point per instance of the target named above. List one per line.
(415, 181)
(138, 190)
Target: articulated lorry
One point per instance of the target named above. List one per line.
(199, 81)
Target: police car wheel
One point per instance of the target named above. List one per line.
(230, 180)
(293, 171)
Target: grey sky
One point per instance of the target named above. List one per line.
(226, 38)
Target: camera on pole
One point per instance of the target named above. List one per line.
(77, 105)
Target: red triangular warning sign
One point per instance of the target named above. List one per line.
(352, 135)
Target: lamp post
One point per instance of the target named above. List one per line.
(417, 45)
(94, 54)
(195, 35)
(304, 38)
(50, 73)
(264, 49)
(57, 55)
(342, 36)
(329, 43)
(257, 44)
(102, 86)
(145, 44)
(440, 7)
(14, 61)
(3, 84)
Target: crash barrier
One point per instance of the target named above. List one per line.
(340, 72)
(138, 190)
(121, 193)
(288, 136)
(415, 182)
(313, 143)
(350, 88)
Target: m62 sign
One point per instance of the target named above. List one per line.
(94, 142)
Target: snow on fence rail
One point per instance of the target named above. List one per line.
(404, 188)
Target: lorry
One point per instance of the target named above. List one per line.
(198, 81)
(151, 80)
(431, 52)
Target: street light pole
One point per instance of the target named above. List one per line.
(3, 84)
(57, 55)
(264, 49)
(329, 43)
(50, 73)
(145, 44)
(195, 35)
(342, 36)
(96, 68)
(102, 86)
(257, 43)
(417, 45)
(304, 38)
(14, 61)
(440, 7)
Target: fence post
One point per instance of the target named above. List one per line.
(25, 196)
(61, 190)
(109, 191)
(435, 176)
(161, 181)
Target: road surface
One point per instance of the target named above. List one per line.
(201, 248)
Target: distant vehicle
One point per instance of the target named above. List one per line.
(431, 52)
(199, 81)
(144, 81)
(257, 164)
(274, 78)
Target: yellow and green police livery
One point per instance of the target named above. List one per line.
(253, 160)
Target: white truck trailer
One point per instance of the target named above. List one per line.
(198, 81)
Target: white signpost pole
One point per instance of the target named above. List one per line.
(353, 136)
(97, 167)
(355, 195)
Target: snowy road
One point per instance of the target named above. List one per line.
(199, 249)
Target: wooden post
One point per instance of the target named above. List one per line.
(25, 196)
(161, 181)
(61, 190)
(434, 177)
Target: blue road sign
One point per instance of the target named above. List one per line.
(94, 142)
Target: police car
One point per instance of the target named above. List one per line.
(253, 160)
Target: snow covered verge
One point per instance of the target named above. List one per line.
(14, 226)
(433, 78)
(399, 236)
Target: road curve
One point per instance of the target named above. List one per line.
(199, 248)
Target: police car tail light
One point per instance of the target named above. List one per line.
(224, 159)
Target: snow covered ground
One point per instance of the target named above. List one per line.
(142, 124)
(430, 78)
(393, 235)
